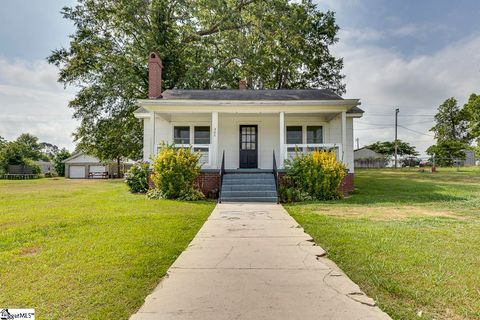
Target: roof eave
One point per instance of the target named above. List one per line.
(154, 104)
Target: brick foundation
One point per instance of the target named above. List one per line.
(209, 183)
(347, 185)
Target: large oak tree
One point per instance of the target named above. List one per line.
(204, 44)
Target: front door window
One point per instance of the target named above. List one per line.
(248, 146)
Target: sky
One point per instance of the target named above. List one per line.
(404, 54)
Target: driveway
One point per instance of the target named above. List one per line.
(253, 261)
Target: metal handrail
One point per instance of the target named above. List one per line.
(275, 174)
(222, 172)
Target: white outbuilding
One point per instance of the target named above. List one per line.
(83, 166)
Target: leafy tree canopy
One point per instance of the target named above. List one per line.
(472, 110)
(204, 44)
(22, 151)
(49, 150)
(3, 142)
(451, 122)
(446, 152)
(387, 148)
(59, 166)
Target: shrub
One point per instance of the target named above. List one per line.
(58, 161)
(49, 174)
(174, 173)
(315, 176)
(32, 165)
(137, 177)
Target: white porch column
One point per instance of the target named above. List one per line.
(281, 156)
(214, 146)
(152, 136)
(344, 134)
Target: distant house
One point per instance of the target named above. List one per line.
(367, 158)
(83, 166)
(45, 166)
(470, 159)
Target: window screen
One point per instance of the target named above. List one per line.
(202, 135)
(314, 134)
(294, 135)
(181, 135)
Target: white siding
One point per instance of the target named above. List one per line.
(229, 138)
(97, 169)
(349, 148)
(146, 139)
(83, 158)
(268, 133)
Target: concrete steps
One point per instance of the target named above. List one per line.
(249, 187)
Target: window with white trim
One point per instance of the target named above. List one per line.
(201, 135)
(181, 135)
(314, 134)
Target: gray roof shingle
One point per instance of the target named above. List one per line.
(294, 94)
(306, 94)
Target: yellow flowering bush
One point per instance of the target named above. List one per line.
(314, 176)
(174, 174)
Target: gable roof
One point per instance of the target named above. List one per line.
(281, 94)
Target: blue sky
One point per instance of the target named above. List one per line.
(415, 27)
(410, 54)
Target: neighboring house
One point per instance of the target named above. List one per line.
(83, 166)
(246, 128)
(367, 158)
(469, 158)
(45, 167)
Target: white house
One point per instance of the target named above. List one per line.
(367, 158)
(246, 127)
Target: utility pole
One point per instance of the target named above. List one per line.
(358, 144)
(396, 135)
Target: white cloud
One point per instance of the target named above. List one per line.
(32, 101)
(383, 79)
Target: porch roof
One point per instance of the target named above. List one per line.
(249, 101)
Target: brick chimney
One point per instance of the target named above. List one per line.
(243, 85)
(154, 76)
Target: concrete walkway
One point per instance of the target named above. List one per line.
(253, 261)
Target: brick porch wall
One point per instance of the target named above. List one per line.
(209, 183)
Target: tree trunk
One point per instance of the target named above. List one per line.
(118, 167)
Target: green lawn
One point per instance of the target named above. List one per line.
(87, 249)
(411, 240)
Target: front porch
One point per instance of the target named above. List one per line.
(248, 139)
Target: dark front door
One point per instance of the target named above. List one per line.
(248, 146)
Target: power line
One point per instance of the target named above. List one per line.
(400, 115)
(422, 133)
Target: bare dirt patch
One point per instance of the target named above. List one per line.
(29, 251)
(388, 213)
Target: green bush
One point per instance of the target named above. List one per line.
(174, 173)
(313, 176)
(137, 177)
(32, 165)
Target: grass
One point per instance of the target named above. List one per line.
(410, 239)
(87, 249)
